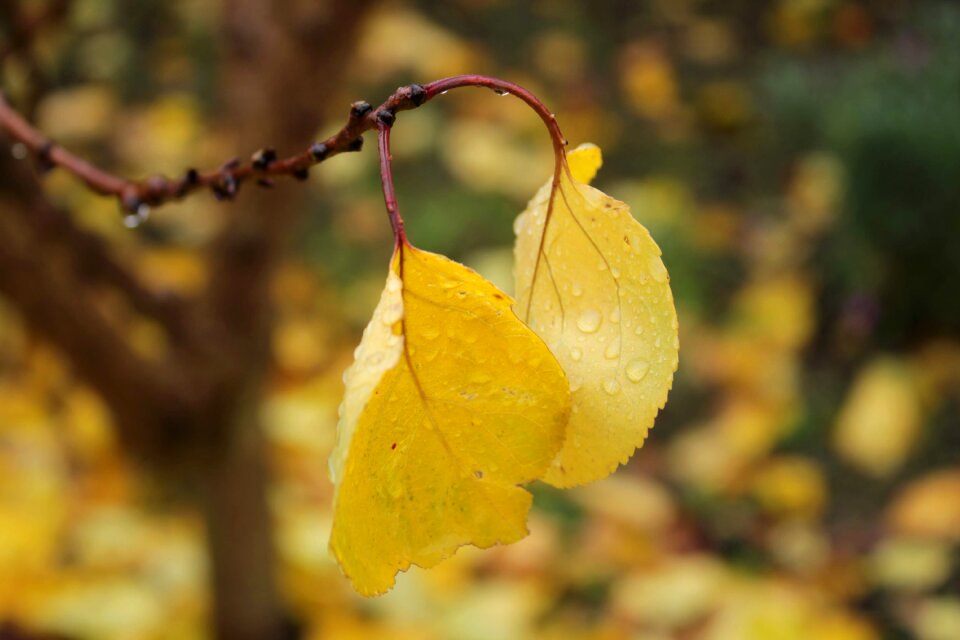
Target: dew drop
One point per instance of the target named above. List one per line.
(576, 353)
(576, 290)
(613, 350)
(134, 220)
(615, 315)
(639, 330)
(575, 383)
(430, 331)
(392, 314)
(637, 369)
(611, 387)
(589, 321)
(657, 270)
(615, 272)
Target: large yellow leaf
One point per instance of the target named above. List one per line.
(591, 283)
(451, 403)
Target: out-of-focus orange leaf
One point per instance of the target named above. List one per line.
(928, 507)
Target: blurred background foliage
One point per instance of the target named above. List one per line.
(797, 160)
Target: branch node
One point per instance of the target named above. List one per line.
(359, 109)
(263, 158)
(45, 162)
(319, 151)
(418, 95)
(387, 117)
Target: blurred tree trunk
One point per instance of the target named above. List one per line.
(193, 418)
(284, 60)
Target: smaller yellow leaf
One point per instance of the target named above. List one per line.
(451, 403)
(591, 283)
(881, 418)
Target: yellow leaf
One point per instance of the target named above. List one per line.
(451, 403)
(881, 418)
(590, 282)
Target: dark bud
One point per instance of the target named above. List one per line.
(226, 189)
(356, 144)
(266, 183)
(156, 187)
(263, 158)
(319, 151)
(387, 117)
(417, 94)
(360, 109)
(190, 178)
(301, 174)
(130, 199)
(44, 160)
(230, 185)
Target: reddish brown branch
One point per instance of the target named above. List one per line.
(223, 182)
(502, 87)
(386, 179)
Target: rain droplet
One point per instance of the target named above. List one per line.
(396, 491)
(392, 314)
(613, 350)
(576, 290)
(657, 270)
(589, 321)
(615, 272)
(134, 220)
(615, 315)
(639, 330)
(501, 92)
(611, 387)
(575, 383)
(637, 369)
(576, 354)
(430, 331)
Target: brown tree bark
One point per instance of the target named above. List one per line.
(192, 417)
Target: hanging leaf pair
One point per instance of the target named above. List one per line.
(455, 398)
